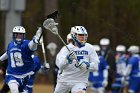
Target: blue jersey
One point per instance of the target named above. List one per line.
(19, 58)
(120, 66)
(135, 62)
(98, 76)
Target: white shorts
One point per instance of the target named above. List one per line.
(74, 87)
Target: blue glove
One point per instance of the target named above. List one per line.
(83, 65)
(70, 57)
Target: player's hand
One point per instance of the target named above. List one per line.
(37, 35)
(123, 79)
(105, 83)
(70, 57)
(46, 66)
(83, 64)
(41, 40)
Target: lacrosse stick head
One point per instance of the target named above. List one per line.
(50, 25)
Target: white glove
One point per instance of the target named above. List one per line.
(70, 57)
(105, 83)
(50, 24)
(46, 65)
(83, 64)
(37, 36)
(123, 79)
(41, 40)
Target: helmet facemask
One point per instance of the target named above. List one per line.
(18, 37)
(82, 38)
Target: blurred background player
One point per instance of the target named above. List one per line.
(98, 80)
(74, 76)
(133, 70)
(117, 86)
(109, 56)
(3, 66)
(20, 63)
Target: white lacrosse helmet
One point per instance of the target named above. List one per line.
(104, 41)
(77, 31)
(120, 48)
(69, 37)
(96, 47)
(18, 34)
(133, 49)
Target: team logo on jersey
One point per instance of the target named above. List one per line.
(81, 52)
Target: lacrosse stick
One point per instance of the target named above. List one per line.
(52, 15)
(44, 53)
(50, 25)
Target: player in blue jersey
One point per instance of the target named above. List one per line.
(121, 59)
(109, 56)
(133, 70)
(98, 80)
(20, 63)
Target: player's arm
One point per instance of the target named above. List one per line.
(36, 40)
(61, 58)
(105, 71)
(94, 61)
(4, 57)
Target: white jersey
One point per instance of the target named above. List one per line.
(70, 73)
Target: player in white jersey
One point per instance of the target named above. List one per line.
(74, 77)
(20, 63)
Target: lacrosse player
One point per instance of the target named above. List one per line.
(98, 80)
(133, 70)
(76, 65)
(20, 63)
(121, 59)
(109, 56)
(3, 67)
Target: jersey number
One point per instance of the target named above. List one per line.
(16, 59)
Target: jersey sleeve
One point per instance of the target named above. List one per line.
(61, 58)
(94, 61)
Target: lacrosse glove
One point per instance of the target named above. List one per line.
(70, 57)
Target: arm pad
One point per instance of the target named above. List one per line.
(4, 57)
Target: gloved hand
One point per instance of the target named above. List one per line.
(83, 64)
(41, 40)
(37, 36)
(123, 79)
(70, 57)
(45, 67)
(105, 83)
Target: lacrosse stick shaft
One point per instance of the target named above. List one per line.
(63, 42)
(67, 47)
(43, 51)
